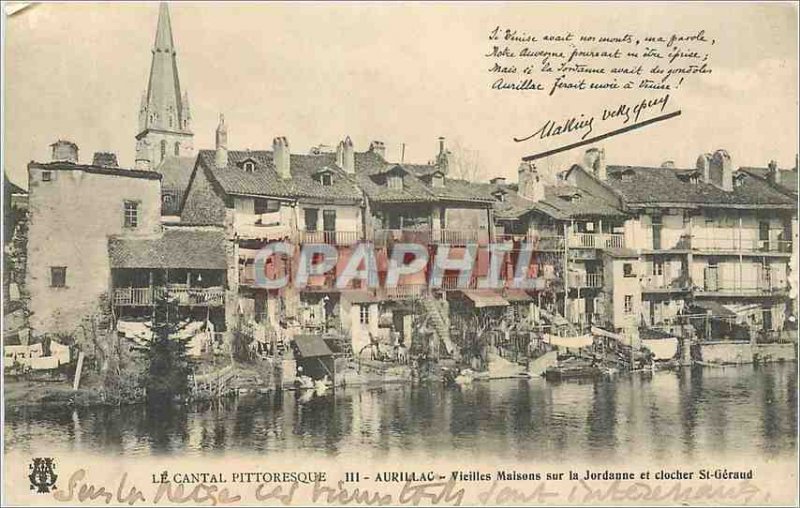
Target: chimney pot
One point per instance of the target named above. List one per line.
(348, 156)
(595, 162)
(531, 185)
(221, 154)
(498, 180)
(721, 170)
(379, 148)
(105, 159)
(65, 151)
(281, 157)
(774, 174)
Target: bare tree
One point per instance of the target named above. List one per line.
(465, 164)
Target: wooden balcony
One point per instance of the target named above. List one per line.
(596, 241)
(384, 236)
(538, 243)
(341, 238)
(426, 236)
(741, 245)
(761, 286)
(585, 280)
(187, 297)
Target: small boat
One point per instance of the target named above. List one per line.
(305, 383)
(465, 377)
(572, 368)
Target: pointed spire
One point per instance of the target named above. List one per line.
(164, 40)
(166, 110)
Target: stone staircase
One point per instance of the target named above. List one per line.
(437, 311)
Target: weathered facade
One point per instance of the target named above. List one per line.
(73, 209)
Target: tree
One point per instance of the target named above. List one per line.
(464, 164)
(168, 369)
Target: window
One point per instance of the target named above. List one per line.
(58, 276)
(131, 214)
(326, 179)
(311, 218)
(626, 177)
(266, 206)
(47, 176)
(628, 305)
(363, 314)
(395, 182)
(163, 149)
(658, 267)
(177, 148)
(249, 166)
(627, 270)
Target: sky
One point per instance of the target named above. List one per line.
(401, 73)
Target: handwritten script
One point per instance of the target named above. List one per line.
(81, 489)
(569, 62)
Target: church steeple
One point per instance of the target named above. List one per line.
(164, 117)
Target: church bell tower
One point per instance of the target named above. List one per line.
(165, 122)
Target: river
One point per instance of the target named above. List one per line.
(683, 415)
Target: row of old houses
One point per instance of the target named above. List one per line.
(623, 248)
(632, 250)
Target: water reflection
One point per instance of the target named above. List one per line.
(669, 415)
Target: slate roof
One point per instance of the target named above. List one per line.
(649, 185)
(178, 247)
(100, 170)
(371, 170)
(556, 203)
(264, 181)
(788, 177)
(175, 172)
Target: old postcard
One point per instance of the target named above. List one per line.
(400, 254)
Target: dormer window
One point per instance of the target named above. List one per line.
(500, 196)
(626, 177)
(249, 166)
(437, 180)
(324, 177)
(738, 180)
(394, 182)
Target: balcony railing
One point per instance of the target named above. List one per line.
(585, 280)
(328, 237)
(384, 236)
(763, 284)
(741, 245)
(191, 297)
(596, 240)
(461, 236)
(539, 243)
(403, 292)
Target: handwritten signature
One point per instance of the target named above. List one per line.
(448, 493)
(584, 124)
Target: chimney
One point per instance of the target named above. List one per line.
(105, 159)
(774, 174)
(721, 170)
(348, 156)
(143, 157)
(703, 166)
(531, 185)
(443, 157)
(379, 148)
(65, 151)
(221, 154)
(281, 157)
(594, 160)
(340, 154)
(668, 164)
(498, 180)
